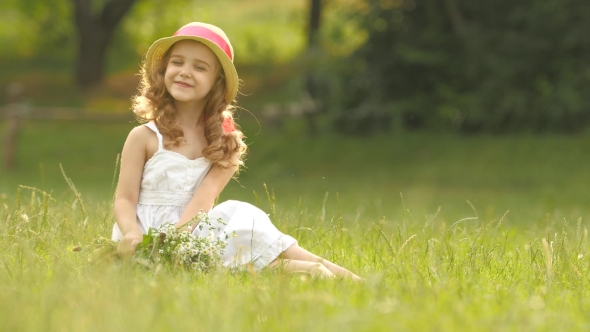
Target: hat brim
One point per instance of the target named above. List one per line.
(159, 48)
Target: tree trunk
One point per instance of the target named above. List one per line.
(92, 47)
(315, 12)
(456, 18)
(95, 33)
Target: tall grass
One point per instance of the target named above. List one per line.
(422, 273)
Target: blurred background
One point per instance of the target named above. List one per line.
(374, 107)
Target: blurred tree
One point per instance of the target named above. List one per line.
(96, 23)
(499, 66)
(35, 28)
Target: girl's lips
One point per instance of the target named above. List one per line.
(182, 84)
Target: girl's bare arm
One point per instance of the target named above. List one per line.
(204, 197)
(133, 159)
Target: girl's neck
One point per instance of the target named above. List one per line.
(189, 114)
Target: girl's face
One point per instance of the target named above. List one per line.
(191, 71)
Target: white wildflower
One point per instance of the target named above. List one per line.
(184, 249)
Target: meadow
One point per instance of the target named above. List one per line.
(450, 232)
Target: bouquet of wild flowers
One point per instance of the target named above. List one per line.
(169, 246)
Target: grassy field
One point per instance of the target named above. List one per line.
(451, 233)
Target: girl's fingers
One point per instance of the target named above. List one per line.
(126, 249)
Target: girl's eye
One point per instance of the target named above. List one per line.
(200, 68)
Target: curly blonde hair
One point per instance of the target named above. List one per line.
(154, 103)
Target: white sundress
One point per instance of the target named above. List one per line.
(168, 183)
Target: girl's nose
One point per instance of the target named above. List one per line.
(184, 72)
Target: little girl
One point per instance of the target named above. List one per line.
(177, 163)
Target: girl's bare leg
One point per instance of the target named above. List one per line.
(295, 266)
(296, 253)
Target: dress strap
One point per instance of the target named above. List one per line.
(152, 126)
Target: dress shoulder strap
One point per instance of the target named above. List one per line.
(152, 126)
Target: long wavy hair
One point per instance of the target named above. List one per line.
(154, 103)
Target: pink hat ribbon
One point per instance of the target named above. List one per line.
(198, 31)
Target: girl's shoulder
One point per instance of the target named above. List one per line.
(141, 132)
(142, 137)
(141, 144)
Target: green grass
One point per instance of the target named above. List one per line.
(446, 256)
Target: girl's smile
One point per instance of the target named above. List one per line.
(183, 84)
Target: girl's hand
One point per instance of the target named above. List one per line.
(184, 228)
(129, 243)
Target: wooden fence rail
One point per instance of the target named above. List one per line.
(16, 114)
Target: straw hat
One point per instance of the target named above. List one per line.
(210, 35)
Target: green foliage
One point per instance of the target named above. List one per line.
(498, 67)
(36, 28)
